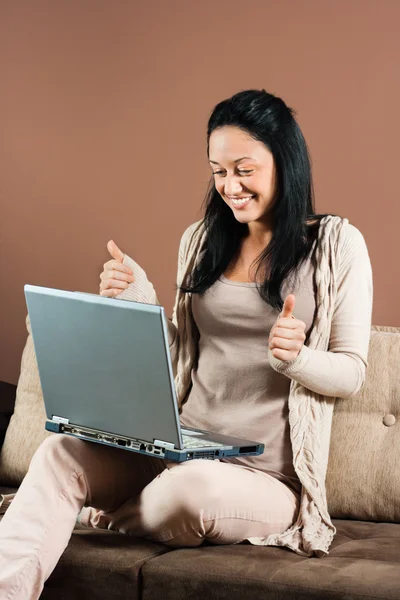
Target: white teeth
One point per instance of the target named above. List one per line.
(241, 200)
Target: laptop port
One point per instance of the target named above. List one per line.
(208, 454)
(247, 449)
(121, 442)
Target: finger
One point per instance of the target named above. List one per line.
(114, 274)
(284, 344)
(287, 323)
(285, 333)
(290, 333)
(116, 283)
(274, 326)
(108, 284)
(117, 266)
(283, 355)
(110, 293)
(115, 251)
(288, 307)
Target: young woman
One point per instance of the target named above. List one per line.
(271, 323)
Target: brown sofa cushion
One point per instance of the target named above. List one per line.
(100, 564)
(363, 564)
(363, 479)
(26, 430)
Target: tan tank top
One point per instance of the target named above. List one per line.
(235, 390)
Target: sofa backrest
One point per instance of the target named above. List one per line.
(363, 479)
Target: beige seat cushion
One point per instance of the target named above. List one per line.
(363, 480)
(26, 430)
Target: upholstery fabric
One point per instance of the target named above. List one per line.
(363, 564)
(99, 564)
(363, 478)
(7, 402)
(26, 430)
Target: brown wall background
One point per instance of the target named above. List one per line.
(103, 112)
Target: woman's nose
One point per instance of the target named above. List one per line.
(232, 186)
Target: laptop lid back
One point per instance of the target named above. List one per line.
(104, 363)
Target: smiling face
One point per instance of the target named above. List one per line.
(244, 174)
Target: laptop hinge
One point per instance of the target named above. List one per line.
(167, 445)
(60, 420)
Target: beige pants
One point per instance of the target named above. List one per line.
(179, 504)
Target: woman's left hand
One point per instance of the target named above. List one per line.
(288, 334)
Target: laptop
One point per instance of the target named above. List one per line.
(106, 375)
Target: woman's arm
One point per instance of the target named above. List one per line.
(340, 371)
(142, 290)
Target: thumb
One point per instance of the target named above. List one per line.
(288, 307)
(115, 251)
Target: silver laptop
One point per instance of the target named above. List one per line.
(106, 375)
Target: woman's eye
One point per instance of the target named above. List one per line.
(240, 171)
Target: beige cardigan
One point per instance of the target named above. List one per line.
(331, 365)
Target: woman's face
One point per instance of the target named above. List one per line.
(244, 173)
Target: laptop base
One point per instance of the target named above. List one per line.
(142, 446)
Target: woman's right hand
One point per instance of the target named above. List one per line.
(116, 276)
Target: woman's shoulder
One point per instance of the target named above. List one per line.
(190, 241)
(345, 239)
(352, 251)
(191, 235)
(352, 234)
(189, 231)
(352, 238)
(349, 236)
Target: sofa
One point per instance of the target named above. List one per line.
(363, 487)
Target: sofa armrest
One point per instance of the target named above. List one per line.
(7, 401)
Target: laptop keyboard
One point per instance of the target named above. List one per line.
(193, 442)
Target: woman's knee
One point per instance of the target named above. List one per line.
(174, 505)
(184, 490)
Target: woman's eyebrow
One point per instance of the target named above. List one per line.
(235, 161)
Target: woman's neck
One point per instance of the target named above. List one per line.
(258, 236)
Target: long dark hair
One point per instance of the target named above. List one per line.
(269, 120)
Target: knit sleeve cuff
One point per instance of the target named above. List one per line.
(291, 367)
(141, 290)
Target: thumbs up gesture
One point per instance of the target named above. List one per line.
(287, 336)
(116, 276)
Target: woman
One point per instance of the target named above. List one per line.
(271, 323)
